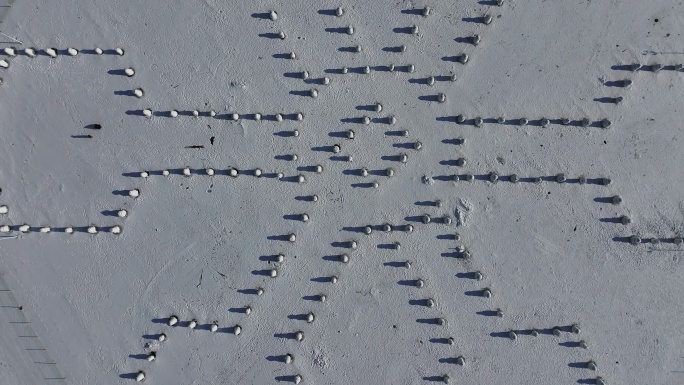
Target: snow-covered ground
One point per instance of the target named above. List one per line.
(551, 254)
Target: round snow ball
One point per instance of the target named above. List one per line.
(140, 376)
(368, 230)
(299, 336)
(344, 70)
(366, 70)
(173, 320)
(585, 122)
(310, 318)
(209, 171)
(487, 19)
(366, 120)
(173, 113)
(235, 117)
(478, 122)
(493, 177)
(339, 11)
(134, 193)
(4, 63)
(257, 116)
(441, 98)
(166, 172)
(301, 179)
(392, 120)
(92, 230)
(446, 219)
(5, 229)
(273, 15)
(411, 68)
(556, 332)
(523, 121)
(426, 11)
(430, 302)
(319, 168)
(144, 174)
(475, 39)
(350, 30)
(281, 35)
(4, 209)
(677, 240)
(625, 220)
(30, 52)
(389, 172)
(24, 228)
(45, 229)
(606, 181)
(430, 81)
(69, 230)
(161, 337)
(387, 227)
(186, 171)
(403, 158)
(469, 177)
(138, 92)
(297, 379)
(391, 68)
(237, 330)
(299, 117)
(500, 119)
(576, 329)
(99, 51)
(147, 112)
(214, 327)
(279, 117)
(115, 229)
(233, 172)
(514, 178)
(426, 219)
(129, 72)
(414, 29)
(565, 121)
(314, 198)
(258, 172)
(304, 217)
(605, 123)
(616, 200)
(288, 358)
(463, 58)
(545, 122)
(260, 291)
(295, 133)
(560, 178)
(441, 321)
(344, 258)
(273, 273)
(72, 51)
(151, 356)
(10, 51)
(445, 378)
(119, 51)
(487, 293)
(292, 237)
(52, 52)
(192, 324)
(350, 134)
(581, 180)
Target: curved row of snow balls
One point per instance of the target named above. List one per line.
(192, 324)
(52, 53)
(234, 116)
(543, 122)
(232, 172)
(26, 228)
